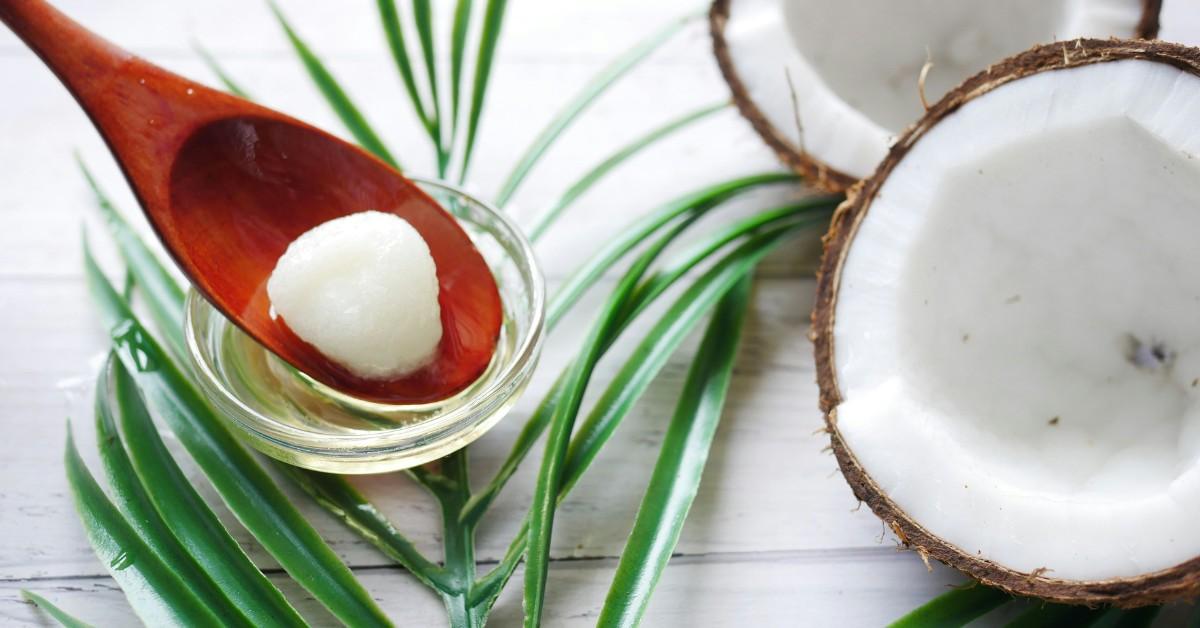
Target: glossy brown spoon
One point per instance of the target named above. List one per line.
(228, 184)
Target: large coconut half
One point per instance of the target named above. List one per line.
(829, 84)
(1008, 326)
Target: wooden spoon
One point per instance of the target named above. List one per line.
(228, 184)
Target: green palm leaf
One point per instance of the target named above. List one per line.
(458, 49)
(329, 87)
(813, 211)
(1053, 615)
(588, 95)
(394, 32)
(566, 408)
(246, 488)
(231, 86)
(659, 344)
(1133, 618)
(676, 476)
(634, 234)
(191, 520)
(637, 372)
(489, 38)
(955, 608)
(59, 615)
(164, 296)
(156, 593)
(423, 19)
(132, 498)
(621, 155)
(165, 301)
(340, 498)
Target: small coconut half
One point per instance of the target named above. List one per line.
(828, 85)
(1007, 326)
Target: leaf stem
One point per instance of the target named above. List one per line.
(458, 541)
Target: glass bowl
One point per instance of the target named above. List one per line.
(289, 416)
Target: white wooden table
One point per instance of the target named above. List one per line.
(774, 537)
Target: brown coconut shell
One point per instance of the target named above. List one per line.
(1180, 581)
(817, 172)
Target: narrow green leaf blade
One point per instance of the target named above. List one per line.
(231, 86)
(130, 494)
(337, 496)
(644, 296)
(635, 374)
(810, 211)
(489, 38)
(1132, 618)
(156, 594)
(954, 608)
(337, 98)
(635, 234)
(394, 32)
(191, 520)
(664, 338)
(1054, 615)
(248, 491)
(585, 182)
(62, 617)
(164, 295)
(458, 50)
(566, 408)
(676, 476)
(423, 19)
(588, 95)
(331, 492)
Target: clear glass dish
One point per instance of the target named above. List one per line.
(289, 416)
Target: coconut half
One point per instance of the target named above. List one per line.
(1007, 326)
(828, 85)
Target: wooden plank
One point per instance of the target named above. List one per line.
(851, 588)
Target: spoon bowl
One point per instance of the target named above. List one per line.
(228, 184)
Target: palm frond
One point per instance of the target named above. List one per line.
(165, 296)
(394, 32)
(812, 210)
(955, 608)
(1052, 615)
(676, 476)
(566, 408)
(585, 182)
(458, 49)
(132, 497)
(580, 103)
(489, 38)
(633, 235)
(155, 592)
(248, 491)
(189, 518)
(334, 94)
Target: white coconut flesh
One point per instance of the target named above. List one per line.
(363, 290)
(1017, 329)
(854, 65)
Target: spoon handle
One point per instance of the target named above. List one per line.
(82, 60)
(143, 112)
